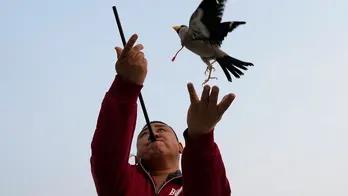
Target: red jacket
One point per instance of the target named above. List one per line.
(202, 166)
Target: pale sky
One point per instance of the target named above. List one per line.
(285, 134)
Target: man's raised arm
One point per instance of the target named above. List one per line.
(114, 132)
(202, 165)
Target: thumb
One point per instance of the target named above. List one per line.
(225, 103)
(118, 51)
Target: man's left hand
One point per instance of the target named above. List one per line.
(205, 113)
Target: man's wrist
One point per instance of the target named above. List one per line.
(194, 133)
(136, 82)
(199, 142)
(125, 90)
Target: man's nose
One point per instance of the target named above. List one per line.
(155, 134)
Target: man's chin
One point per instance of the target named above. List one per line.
(153, 154)
(156, 144)
(156, 148)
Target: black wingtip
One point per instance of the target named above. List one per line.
(233, 25)
(240, 22)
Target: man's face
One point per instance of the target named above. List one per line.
(166, 143)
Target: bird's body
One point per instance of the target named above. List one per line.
(204, 37)
(200, 47)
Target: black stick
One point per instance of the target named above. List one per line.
(142, 103)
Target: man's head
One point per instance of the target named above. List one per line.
(166, 147)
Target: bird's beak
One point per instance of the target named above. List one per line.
(176, 28)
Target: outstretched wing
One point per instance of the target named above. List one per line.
(223, 29)
(205, 21)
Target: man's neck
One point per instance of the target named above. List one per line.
(160, 172)
(160, 169)
(160, 176)
(163, 172)
(161, 165)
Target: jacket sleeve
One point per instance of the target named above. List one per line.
(112, 138)
(202, 167)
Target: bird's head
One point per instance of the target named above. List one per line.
(178, 28)
(181, 31)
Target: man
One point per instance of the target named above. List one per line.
(157, 171)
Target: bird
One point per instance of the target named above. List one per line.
(204, 37)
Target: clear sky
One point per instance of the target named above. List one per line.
(285, 134)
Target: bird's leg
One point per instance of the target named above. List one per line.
(209, 69)
(206, 70)
(212, 64)
(209, 64)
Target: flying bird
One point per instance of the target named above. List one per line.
(204, 37)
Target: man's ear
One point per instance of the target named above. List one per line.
(181, 148)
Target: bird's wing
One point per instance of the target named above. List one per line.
(223, 29)
(205, 21)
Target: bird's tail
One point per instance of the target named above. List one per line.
(230, 64)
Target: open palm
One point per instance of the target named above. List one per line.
(203, 114)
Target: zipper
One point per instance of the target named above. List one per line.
(163, 185)
(153, 183)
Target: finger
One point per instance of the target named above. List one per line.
(137, 48)
(193, 95)
(144, 61)
(118, 51)
(129, 45)
(225, 103)
(205, 95)
(214, 96)
(140, 55)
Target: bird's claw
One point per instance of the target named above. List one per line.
(213, 78)
(207, 70)
(207, 80)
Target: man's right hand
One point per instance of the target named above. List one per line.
(131, 64)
